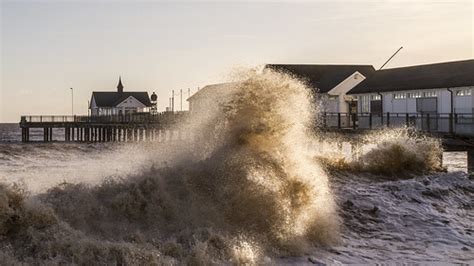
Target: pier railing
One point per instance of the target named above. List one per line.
(457, 123)
(128, 118)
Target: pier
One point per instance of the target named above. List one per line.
(456, 131)
(112, 128)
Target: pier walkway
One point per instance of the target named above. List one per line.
(132, 127)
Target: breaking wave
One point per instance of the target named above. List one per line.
(244, 189)
(390, 152)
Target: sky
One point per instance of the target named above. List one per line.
(48, 47)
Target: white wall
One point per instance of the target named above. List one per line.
(129, 105)
(343, 88)
(444, 101)
(462, 104)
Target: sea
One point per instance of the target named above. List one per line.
(254, 187)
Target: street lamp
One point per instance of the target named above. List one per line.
(72, 101)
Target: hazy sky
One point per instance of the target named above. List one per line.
(49, 46)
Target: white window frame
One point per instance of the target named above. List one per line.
(399, 96)
(375, 97)
(463, 92)
(430, 94)
(414, 95)
(364, 103)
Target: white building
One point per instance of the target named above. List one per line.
(119, 102)
(330, 82)
(207, 99)
(434, 90)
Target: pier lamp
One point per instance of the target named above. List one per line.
(72, 101)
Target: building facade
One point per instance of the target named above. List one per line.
(329, 82)
(119, 102)
(434, 90)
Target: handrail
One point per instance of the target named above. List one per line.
(128, 118)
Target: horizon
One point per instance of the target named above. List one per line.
(50, 46)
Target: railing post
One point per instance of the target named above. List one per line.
(324, 120)
(370, 120)
(388, 119)
(451, 128)
(354, 121)
(428, 122)
(339, 120)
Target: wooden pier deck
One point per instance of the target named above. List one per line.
(117, 128)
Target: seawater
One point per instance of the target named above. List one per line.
(254, 185)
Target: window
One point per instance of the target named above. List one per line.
(428, 94)
(399, 96)
(375, 97)
(364, 103)
(463, 92)
(416, 94)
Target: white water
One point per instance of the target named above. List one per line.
(253, 193)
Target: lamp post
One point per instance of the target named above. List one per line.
(72, 101)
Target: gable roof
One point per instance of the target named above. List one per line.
(112, 98)
(432, 76)
(212, 89)
(323, 77)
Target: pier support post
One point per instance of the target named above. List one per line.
(470, 162)
(45, 134)
(23, 134)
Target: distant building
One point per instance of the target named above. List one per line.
(209, 96)
(330, 82)
(434, 88)
(119, 102)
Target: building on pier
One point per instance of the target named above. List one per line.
(210, 96)
(329, 82)
(433, 90)
(119, 102)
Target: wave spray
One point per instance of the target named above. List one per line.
(245, 189)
